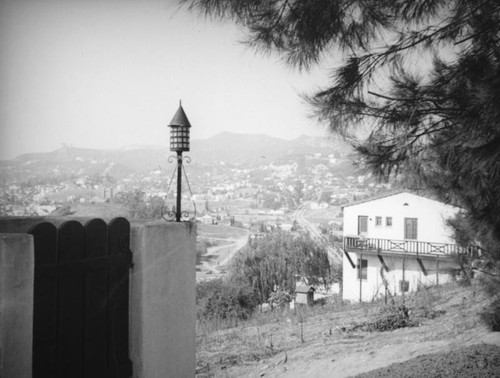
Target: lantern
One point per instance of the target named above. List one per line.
(179, 131)
(179, 142)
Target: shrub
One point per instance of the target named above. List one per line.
(391, 317)
(320, 302)
(218, 299)
(490, 283)
(491, 316)
(279, 298)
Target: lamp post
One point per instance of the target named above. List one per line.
(179, 142)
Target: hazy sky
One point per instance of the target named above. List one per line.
(107, 74)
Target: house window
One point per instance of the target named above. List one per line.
(388, 221)
(404, 286)
(411, 228)
(362, 224)
(378, 221)
(362, 269)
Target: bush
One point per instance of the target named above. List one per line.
(218, 299)
(279, 298)
(391, 317)
(490, 315)
(320, 302)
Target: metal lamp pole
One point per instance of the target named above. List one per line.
(179, 142)
(178, 210)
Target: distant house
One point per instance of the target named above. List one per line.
(304, 294)
(207, 219)
(394, 243)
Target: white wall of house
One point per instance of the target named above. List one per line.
(373, 286)
(431, 216)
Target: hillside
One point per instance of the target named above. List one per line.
(331, 341)
(230, 148)
(252, 148)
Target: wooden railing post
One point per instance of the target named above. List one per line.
(437, 270)
(360, 276)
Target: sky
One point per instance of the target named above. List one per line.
(109, 74)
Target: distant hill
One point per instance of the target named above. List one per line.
(242, 149)
(251, 148)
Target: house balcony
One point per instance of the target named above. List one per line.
(403, 247)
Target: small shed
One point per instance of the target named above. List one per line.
(304, 294)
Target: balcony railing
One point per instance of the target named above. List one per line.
(403, 246)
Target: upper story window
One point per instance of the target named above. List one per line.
(378, 221)
(388, 221)
(411, 228)
(362, 224)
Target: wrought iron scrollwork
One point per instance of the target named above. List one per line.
(169, 214)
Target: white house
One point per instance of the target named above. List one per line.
(394, 243)
(207, 219)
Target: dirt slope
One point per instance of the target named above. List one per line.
(330, 342)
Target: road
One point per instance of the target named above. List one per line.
(334, 254)
(218, 257)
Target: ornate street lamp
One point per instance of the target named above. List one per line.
(179, 132)
(179, 142)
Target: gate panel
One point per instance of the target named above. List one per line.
(45, 300)
(70, 320)
(81, 299)
(95, 301)
(119, 242)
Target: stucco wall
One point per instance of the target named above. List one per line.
(431, 217)
(373, 287)
(162, 297)
(16, 305)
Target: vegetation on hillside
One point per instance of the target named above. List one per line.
(139, 207)
(440, 318)
(417, 92)
(265, 270)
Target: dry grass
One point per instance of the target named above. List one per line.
(207, 231)
(268, 340)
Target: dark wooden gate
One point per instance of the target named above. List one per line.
(81, 299)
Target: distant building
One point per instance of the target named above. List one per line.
(304, 294)
(207, 219)
(395, 243)
(108, 193)
(253, 238)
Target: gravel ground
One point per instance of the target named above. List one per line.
(479, 361)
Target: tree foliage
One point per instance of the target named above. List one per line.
(223, 300)
(276, 263)
(139, 206)
(417, 92)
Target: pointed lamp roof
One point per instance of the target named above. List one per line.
(180, 118)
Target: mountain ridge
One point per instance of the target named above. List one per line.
(226, 147)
